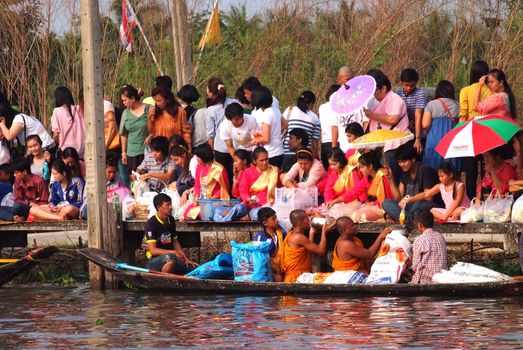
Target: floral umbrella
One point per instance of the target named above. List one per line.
(379, 138)
(353, 95)
(477, 136)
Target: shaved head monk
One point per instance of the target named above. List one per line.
(344, 75)
(349, 253)
(298, 246)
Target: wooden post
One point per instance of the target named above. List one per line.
(94, 138)
(181, 43)
(113, 241)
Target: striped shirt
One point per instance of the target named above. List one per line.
(429, 256)
(307, 121)
(151, 166)
(417, 99)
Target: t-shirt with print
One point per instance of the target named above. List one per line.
(161, 232)
(241, 137)
(426, 178)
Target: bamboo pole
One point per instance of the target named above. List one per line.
(94, 138)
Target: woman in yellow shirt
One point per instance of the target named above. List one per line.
(466, 112)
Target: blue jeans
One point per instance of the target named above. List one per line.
(7, 213)
(392, 208)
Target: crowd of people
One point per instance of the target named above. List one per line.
(244, 147)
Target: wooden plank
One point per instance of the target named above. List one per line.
(92, 70)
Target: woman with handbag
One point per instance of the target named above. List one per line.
(438, 119)
(19, 126)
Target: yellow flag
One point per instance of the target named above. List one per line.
(213, 33)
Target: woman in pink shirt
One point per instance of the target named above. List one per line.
(341, 179)
(306, 172)
(67, 122)
(502, 100)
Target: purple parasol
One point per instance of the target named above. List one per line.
(353, 95)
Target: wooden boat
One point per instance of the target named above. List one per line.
(185, 285)
(12, 270)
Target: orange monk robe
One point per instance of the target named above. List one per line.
(295, 261)
(353, 264)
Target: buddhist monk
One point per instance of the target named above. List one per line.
(298, 246)
(349, 252)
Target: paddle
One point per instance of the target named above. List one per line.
(124, 266)
(8, 261)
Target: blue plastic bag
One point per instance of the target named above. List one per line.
(219, 269)
(224, 214)
(251, 261)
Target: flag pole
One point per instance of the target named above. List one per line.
(146, 41)
(149, 47)
(207, 29)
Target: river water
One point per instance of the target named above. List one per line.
(47, 317)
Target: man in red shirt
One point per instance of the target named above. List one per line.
(28, 188)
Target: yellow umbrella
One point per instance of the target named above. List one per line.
(379, 138)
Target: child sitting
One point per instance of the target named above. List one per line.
(156, 166)
(66, 193)
(183, 181)
(452, 193)
(297, 246)
(273, 233)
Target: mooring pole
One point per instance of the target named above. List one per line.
(94, 137)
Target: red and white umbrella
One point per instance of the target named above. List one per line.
(477, 136)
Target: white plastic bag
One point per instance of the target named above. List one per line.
(497, 208)
(8, 200)
(517, 211)
(5, 156)
(472, 214)
(393, 257)
(468, 273)
(127, 203)
(175, 200)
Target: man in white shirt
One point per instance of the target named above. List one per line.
(238, 129)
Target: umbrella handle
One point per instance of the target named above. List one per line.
(347, 87)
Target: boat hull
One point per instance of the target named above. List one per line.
(183, 285)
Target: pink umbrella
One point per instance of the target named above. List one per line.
(353, 95)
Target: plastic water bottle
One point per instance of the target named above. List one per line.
(403, 216)
(203, 190)
(116, 200)
(45, 171)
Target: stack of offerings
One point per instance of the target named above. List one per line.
(289, 199)
(393, 257)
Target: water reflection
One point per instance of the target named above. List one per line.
(36, 318)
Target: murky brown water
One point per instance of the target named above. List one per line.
(77, 318)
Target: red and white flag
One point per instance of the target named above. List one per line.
(129, 21)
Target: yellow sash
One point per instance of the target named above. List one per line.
(214, 177)
(345, 179)
(377, 187)
(353, 160)
(269, 179)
